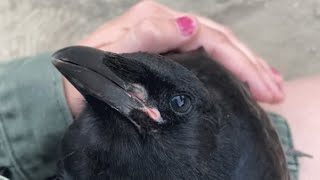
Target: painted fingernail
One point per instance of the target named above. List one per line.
(279, 85)
(186, 25)
(275, 71)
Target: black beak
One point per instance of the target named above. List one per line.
(84, 67)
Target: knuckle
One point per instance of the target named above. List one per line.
(221, 38)
(227, 31)
(149, 7)
(147, 30)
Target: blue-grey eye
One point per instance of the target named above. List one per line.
(180, 103)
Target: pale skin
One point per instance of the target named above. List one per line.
(152, 27)
(301, 108)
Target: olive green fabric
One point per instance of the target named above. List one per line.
(34, 115)
(284, 133)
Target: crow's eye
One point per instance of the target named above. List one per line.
(180, 103)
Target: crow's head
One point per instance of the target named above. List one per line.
(151, 92)
(148, 117)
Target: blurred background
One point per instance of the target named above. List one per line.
(284, 32)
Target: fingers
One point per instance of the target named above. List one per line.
(273, 79)
(153, 34)
(261, 83)
(273, 86)
(146, 9)
(150, 27)
(277, 77)
(265, 82)
(114, 29)
(229, 35)
(243, 48)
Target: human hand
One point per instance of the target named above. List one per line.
(151, 27)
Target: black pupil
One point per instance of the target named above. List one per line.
(180, 103)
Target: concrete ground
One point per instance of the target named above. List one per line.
(284, 32)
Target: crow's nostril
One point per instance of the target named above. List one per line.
(138, 91)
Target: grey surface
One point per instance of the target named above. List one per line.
(284, 32)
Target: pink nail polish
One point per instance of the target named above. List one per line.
(280, 87)
(275, 72)
(186, 25)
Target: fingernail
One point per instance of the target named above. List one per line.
(277, 92)
(280, 87)
(275, 71)
(186, 25)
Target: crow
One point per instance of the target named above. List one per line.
(172, 116)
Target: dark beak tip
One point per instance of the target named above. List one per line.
(60, 53)
(70, 50)
(79, 55)
(57, 62)
(65, 55)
